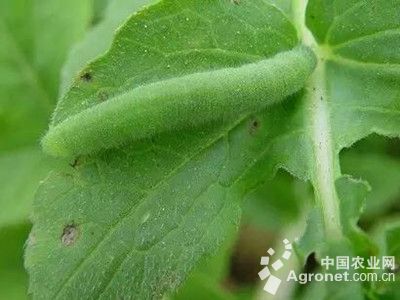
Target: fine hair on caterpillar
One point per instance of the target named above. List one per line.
(189, 100)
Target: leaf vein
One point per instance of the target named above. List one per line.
(368, 36)
(113, 227)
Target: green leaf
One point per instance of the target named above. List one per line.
(281, 200)
(35, 37)
(134, 220)
(222, 80)
(370, 167)
(355, 92)
(351, 194)
(350, 95)
(20, 174)
(29, 71)
(30, 61)
(98, 40)
(13, 279)
(362, 71)
(207, 97)
(129, 224)
(52, 24)
(208, 280)
(114, 225)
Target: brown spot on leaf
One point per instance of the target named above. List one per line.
(69, 235)
(86, 76)
(76, 162)
(254, 126)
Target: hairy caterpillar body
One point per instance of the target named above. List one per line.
(180, 102)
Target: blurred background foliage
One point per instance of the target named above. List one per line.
(36, 37)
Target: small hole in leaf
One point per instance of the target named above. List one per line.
(254, 126)
(69, 235)
(87, 76)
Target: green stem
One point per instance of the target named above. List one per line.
(324, 170)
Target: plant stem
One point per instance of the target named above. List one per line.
(323, 173)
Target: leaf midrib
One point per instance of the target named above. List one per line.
(323, 173)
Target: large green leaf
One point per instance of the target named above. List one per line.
(99, 39)
(351, 94)
(35, 37)
(112, 226)
(29, 75)
(30, 61)
(134, 220)
(355, 92)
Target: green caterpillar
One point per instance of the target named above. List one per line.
(181, 102)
